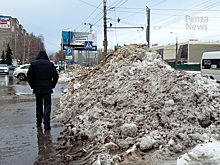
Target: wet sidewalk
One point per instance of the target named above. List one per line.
(21, 142)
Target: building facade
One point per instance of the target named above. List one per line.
(187, 52)
(13, 33)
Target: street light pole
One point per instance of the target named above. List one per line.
(176, 61)
(148, 27)
(105, 43)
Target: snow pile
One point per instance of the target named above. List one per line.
(135, 102)
(207, 153)
(72, 72)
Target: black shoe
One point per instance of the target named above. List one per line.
(47, 127)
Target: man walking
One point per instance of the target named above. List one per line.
(42, 78)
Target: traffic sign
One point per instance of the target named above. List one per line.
(78, 47)
(69, 57)
(69, 52)
(88, 44)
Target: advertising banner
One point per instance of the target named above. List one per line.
(76, 40)
(4, 22)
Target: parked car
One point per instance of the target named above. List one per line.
(4, 68)
(12, 67)
(57, 67)
(21, 72)
(210, 65)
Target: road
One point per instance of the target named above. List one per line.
(21, 142)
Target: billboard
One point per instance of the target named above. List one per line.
(76, 40)
(4, 22)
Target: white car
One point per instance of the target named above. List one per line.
(21, 72)
(56, 66)
(4, 68)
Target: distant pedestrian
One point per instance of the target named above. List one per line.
(42, 78)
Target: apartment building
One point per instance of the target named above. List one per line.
(12, 33)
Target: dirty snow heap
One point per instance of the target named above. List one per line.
(133, 101)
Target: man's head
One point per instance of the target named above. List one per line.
(42, 55)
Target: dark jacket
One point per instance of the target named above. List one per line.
(42, 75)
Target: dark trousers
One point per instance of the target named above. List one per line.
(43, 107)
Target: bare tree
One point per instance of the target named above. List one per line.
(60, 56)
(26, 46)
(34, 45)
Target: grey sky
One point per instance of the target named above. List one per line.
(50, 17)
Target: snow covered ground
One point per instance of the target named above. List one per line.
(206, 153)
(134, 103)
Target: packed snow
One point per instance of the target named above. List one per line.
(207, 153)
(74, 71)
(134, 104)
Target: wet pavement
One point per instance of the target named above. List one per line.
(21, 142)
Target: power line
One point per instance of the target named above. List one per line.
(118, 2)
(132, 11)
(158, 3)
(185, 9)
(134, 39)
(92, 21)
(123, 3)
(89, 4)
(130, 8)
(98, 15)
(95, 21)
(132, 14)
(110, 8)
(114, 3)
(175, 15)
(207, 5)
(127, 23)
(125, 11)
(117, 5)
(97, 7)
(168, 9)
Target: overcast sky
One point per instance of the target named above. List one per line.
(189, 19)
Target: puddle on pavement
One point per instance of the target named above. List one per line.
(7, 80)
(21, 142)
(26, 94)
(26, 144)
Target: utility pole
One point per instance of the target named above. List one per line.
(105, 42)
(148, 27)
(127, 27)
(176, 60)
